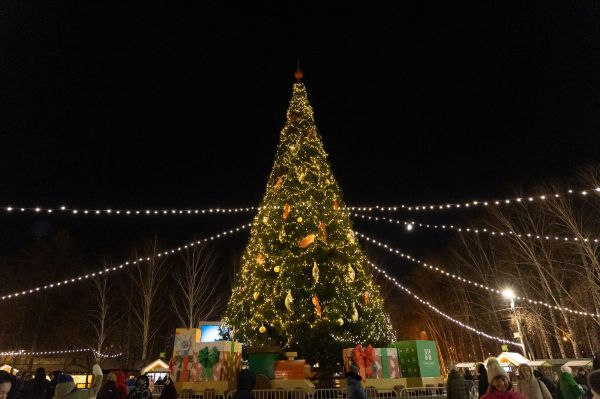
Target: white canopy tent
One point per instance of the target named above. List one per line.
(579, 363)
(512, 358)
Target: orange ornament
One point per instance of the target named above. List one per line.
(306, 241)
(260, 259)
(286, 210)
(310, 133)
(336, 205)
(323, 231)
(315, 301)
(366, 297)
(298, 74)
(279, 183)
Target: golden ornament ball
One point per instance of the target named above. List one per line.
(256, 295)
(299, 220)
(276, 269)
(262, 329)
(340, 321)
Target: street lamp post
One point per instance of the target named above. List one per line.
(509, 294)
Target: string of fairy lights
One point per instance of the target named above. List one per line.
(493, 233)
(22, 352)
(467, 281)
(436, 310)
(106, 270)
(11, 209)
(135, 212)
(474, 203)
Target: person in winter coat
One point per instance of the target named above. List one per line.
(168, 391)
(35, 388)
(530, 386)
(121, 384)
(456, 386)
(245, 384)
(141, 389)
(582, 380)
(109, 389)
(354, 387)
(568, 388)
(500, 385)
(482, 379)
(594, 383)
(52, 384)
(66, 389)
(547, 382)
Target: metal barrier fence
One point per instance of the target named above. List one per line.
(333, 393)
(423, 393)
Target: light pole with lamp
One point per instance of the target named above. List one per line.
(509, 294)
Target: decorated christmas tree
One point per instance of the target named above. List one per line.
(305, 284)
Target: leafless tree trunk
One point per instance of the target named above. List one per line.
(198, 282)
(103, 319)
(148, 277)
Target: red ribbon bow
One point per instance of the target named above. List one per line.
(364, 359)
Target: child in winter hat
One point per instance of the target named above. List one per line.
(495, 370)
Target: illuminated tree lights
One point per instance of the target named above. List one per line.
(305, 283)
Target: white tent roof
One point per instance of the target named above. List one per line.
(513, 358)
(466, 364)
(157, 365)
(538, 363)
(579, 363)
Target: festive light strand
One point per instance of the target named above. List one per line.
(472, 204)
(108, 211)
(429, 305)
(22, 352)
(492, 233)
(473, 283)
(123, 265)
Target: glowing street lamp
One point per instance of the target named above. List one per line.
(508, 293)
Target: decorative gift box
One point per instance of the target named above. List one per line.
(207, 361)
(372, 362)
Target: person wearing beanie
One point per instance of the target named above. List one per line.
(456, 387)
(530, 386)
(354, 387)
(35, 388)
(500, 385)
(568, 388)
(66, 389)
(594, 383)
(482, 379)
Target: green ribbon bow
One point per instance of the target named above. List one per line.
(207, 359)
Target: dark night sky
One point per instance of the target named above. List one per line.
(107, 105)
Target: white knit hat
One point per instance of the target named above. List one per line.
(494, 369)
(566, 369)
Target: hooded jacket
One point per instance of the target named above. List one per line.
(531, 387)
(121, 385)
(568, 387)
(483, 383)
(67, 389)
(457, 386)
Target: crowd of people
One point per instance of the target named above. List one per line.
(495, 383)
(62, 386)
